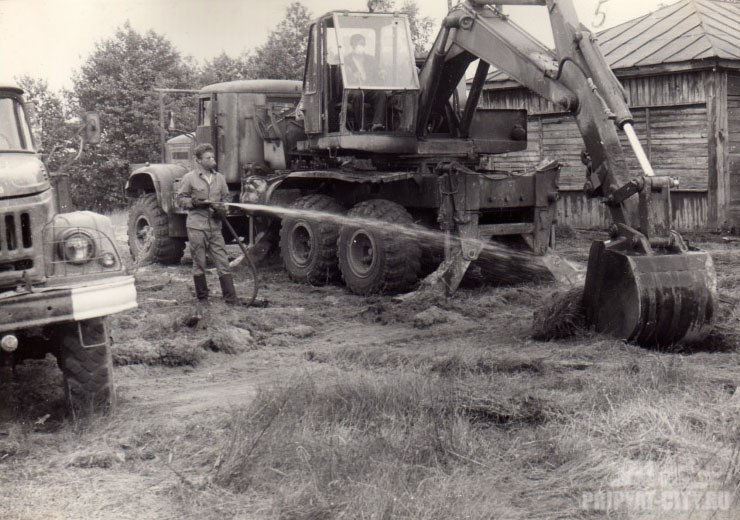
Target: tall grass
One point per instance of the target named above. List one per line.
(474, 437)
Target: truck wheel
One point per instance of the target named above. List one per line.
(88, 374)
(379, 259)
(308, 247)
(148, 233)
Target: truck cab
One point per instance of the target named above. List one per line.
(60, 272)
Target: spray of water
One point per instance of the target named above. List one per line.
(492, 252)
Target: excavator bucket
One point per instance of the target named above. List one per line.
(652, 300)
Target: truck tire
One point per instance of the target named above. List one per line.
(379, 259)
(148, 233)
(308, 247)
(88, 374)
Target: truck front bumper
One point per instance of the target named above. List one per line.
(48, 305)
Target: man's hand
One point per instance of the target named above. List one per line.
(218, 209)
(199, 203)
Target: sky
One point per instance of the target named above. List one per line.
(50, 39)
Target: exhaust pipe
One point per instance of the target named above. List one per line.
(9, 343)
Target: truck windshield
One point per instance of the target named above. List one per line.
(375, 52)
(15, 134)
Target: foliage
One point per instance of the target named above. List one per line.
(381, 6)
(118, 80)
(49, 116)
(225, 68)
(422, 27)
(284, 54)
(281, 57)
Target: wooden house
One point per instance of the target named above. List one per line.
(680, 66)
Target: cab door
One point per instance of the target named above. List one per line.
(312, 99)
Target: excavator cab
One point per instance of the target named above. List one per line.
(360, 79)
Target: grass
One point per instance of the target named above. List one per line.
(514, 428)
(524, 439)
(464, 417)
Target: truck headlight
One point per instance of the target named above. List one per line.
(77, 248)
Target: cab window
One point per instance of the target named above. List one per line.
(376, 52)
(15, 134)
(204, 116)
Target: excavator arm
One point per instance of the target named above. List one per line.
(642, 284)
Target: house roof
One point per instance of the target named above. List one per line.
(684, 32)
(688, 30)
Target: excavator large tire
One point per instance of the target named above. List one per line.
(148, 233)
(379, 258)
(308, 246)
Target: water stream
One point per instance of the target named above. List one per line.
(491, 252)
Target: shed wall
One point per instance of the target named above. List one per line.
(672, 121)
(733, 138)
(690, 211)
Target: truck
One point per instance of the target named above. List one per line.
(297, 153)
(61, 273)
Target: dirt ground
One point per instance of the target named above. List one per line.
(181, 384)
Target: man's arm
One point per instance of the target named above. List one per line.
(184, 198)
(225, 195)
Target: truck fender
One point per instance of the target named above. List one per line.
(99, 227)
(156, 178)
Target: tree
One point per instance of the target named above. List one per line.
(117, 80)
(49, 115)
(284, 54)
(422, 27)
(224, 68)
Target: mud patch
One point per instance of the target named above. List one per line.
(97, 459)
(456, 365)
(229, 340)
(429, 317)
(298, 331)
(167, 353)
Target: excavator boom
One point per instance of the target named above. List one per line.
(643, 284)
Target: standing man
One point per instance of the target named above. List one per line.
(201, 192)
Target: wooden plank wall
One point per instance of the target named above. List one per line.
(718, 179)
(683, 88)
(675, 142)
(671, 119)
(666, 90)
(733, 140)
(577, 210)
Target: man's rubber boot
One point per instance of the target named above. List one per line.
(228, 290)
(201, 287)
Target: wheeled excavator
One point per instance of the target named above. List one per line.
(422, 165)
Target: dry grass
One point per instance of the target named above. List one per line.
(407, 445)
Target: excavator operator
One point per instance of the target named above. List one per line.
(363, 69)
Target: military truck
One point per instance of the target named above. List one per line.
(60, 271)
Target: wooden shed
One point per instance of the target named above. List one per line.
(680, 66)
